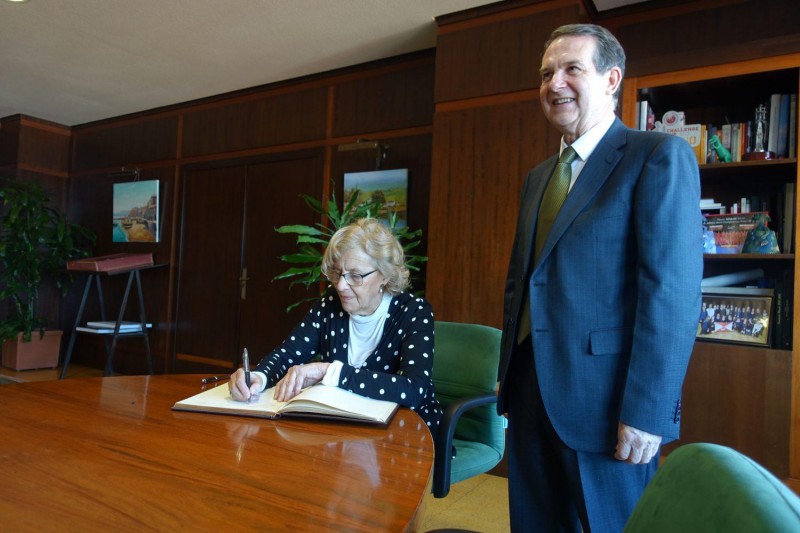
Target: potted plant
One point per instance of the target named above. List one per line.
(36, 241)
(311, 240)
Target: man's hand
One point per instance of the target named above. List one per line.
(636, 446)
(297, 378)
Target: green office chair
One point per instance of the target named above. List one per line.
(471, 438)
(707, 487)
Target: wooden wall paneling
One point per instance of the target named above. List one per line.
(271, 119)
(474, 59)
(756, 420)
(125, 143)
(36, 150)
(35, 145)
(259, 124)
(707, 32)
(390, 99)
(480, 158)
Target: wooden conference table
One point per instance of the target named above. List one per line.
(110, 454)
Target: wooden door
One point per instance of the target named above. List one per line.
(273, 199)
(228, 225)
(209, 267)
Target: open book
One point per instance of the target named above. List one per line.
(317, 401)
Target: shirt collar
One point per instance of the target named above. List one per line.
(586, 143)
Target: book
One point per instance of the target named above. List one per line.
(793, 125)
(111, 263)
(691, 133)
(773, 121)
(123, 326)
(317, 401)
(105, 331)
(787, 219)
(730, 230)
(782, 144)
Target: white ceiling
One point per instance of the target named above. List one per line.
(77, 61)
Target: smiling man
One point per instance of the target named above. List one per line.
(601, 300)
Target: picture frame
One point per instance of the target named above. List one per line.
(736, 315)
(391, 186)
(135, 212)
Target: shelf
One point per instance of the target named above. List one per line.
(787, 161)
(749, 257)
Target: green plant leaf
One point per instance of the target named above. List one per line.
(312, 241)
(299, 229)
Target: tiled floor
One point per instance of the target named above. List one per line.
(477, 504)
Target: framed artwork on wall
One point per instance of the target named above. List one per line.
(390, 187)
(135, 211)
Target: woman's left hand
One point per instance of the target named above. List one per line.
(297, 378)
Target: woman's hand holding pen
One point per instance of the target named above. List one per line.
(238, 387)
(297, 378)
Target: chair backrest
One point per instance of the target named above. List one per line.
(465, 364)
(707, 487)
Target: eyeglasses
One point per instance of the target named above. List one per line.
(351, 278)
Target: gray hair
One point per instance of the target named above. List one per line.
(376, 240)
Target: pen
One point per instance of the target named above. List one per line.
(246, 365)
(213, 379)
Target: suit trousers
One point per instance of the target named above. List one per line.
(551, 486)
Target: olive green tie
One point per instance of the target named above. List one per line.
(552, 200)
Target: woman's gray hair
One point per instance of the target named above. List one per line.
(376, 240)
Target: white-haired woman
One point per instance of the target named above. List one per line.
(365, 334)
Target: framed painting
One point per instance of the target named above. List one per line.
(135, 211)
(389, 187)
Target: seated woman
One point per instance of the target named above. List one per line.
(371, 337)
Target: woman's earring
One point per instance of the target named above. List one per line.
(381, 289)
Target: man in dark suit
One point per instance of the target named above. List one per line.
(601, 308)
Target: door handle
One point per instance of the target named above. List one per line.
(243, 284)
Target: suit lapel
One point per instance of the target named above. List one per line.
(595, 172)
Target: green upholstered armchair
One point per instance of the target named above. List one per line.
(465, 374)
(707, 487)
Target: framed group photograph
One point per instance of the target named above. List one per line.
(736, 315)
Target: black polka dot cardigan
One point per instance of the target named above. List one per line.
(398, 370)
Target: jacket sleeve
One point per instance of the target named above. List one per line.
(668, 231)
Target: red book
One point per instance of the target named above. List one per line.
(111, 263)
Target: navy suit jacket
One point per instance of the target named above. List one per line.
(615, 293)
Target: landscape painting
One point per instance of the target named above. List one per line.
(389, 187)
(136, 211)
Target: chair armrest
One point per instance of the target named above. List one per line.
(443, 442)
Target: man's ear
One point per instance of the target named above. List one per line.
(614, 77)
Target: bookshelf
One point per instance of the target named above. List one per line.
(745, 397)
